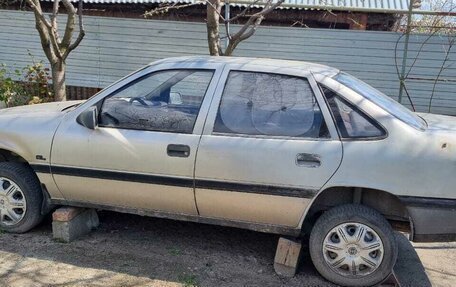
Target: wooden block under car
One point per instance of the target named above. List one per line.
(287, 256)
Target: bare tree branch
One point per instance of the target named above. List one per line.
(243, 12)
(36, 7)
(81, 30)
(419, 52)
(55, 11)
(256, 18)
(214, 15)
(42, 26)
(432, 25)
(217, 9)
(56, 49)
(250, 27)
(71, 18)
(409, 98)
(451, 43)
(54, 33)
(166, 8)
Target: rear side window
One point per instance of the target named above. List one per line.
(264, 104)
(350, 121)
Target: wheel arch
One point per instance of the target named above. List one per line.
(11, 156)
(386, 203)
(7, 155)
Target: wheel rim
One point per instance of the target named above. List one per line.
(12, 202)
(353, 250)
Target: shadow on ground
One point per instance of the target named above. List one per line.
(129, 250)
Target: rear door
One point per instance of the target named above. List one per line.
(267, 148)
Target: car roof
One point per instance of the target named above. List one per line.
(277, 63)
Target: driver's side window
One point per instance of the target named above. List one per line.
(167, 101)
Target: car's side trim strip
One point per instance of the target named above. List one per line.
(256, 188)
(428, 202)
(41, 168)
(115, 175)
(176, 181)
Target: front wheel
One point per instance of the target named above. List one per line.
(20, 198)
(353, 245)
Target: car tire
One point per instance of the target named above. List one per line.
(353, 245)
(20, 189)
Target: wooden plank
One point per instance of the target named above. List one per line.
(286, 260)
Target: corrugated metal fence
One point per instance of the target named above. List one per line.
(114, 47)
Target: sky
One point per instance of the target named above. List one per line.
(426, 4)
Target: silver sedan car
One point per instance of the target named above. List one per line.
(275, 146)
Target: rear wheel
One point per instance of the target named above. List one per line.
(20, 198)
(353, 245)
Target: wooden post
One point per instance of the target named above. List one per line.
(287, 257)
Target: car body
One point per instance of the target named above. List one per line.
(231, 142)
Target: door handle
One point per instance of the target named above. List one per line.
(178, 150)
(308, 160)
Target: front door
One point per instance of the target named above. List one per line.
(266, 149)
(142, 153)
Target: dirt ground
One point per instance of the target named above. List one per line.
(130, 250)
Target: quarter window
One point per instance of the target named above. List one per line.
(269, 105)
(351, 122)
(167, 101)
(382, 100)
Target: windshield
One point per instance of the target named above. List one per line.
(382, 100)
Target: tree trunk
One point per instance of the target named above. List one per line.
(58, 81)
(213, 35)
(231, 46)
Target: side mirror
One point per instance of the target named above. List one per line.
(88, 118)
(175, 98)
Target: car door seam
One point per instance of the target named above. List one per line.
(51, 151)
(201, 136)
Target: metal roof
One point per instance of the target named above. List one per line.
(275, 63)
(368, 5)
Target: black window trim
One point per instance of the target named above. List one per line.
(100, 103)
(360, 111)
(214, 133)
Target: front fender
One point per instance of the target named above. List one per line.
(17, 148)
